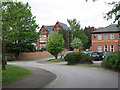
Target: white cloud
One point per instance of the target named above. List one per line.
(47, 12)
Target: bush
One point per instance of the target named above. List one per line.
(77, 58)
(10, 58)
(112, 61)
(39, 50)
(44, 49)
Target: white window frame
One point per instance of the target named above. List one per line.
(43, 38)
(112, 48)
(119, 36)
(99, 37)
(111, 36)
(105, 36)
(99, 48)
(106, 48)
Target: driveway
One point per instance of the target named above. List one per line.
(75, 76)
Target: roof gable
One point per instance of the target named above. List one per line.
(64, 26)
(49, 28)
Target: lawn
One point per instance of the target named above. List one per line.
(56, 60)
(14, 73)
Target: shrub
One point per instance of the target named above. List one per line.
(10, 58)
(39, 50)
(112, 61)
(77, 58)
(44, 49)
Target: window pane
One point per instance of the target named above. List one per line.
(105, 48)
(99, 37)
(99, 48)
(119, 36)
(105, 36)
(111, 36)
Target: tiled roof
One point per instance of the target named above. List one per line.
(64, 26)
(110, 28)
(49, 28)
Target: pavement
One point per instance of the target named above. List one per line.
(67, 76)
(38, 79)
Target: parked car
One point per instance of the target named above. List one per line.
(90, 53)
(68, 52)
(105, 54)
(96, 56)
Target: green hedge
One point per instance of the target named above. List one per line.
(10, 58)
(77, 58)
(112, 61)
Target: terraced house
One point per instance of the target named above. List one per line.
(45, 30)
(106, 39)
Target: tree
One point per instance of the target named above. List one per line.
(65, 37)
(76, 43)
(20, 25)
(77, 31)
(55, 43)
(114, 12)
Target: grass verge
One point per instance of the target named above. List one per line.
(56, 60)
(14, 73)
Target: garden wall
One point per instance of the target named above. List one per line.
(34, 55)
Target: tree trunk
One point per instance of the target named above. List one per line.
(3, 55)
(55, 56)
(17, 55)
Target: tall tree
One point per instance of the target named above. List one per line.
(77, 31)
(19, 27)
(55, 43)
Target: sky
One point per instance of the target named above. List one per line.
(90, 13)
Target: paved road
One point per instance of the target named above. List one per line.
(38, 79)
(75, 76)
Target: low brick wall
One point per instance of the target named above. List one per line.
(34, 55)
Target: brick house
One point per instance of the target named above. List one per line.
(45, 30)
(106, 39)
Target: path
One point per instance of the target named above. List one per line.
(76, 76)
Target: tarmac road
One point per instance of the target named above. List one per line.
(75, 76)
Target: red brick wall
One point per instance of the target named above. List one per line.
(96, 42)
(34, 55)
(42, 33)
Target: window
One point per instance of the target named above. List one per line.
(99, 48)
(105, 36)
(99, 37)
(43, 38)
(57, 28)
(111, 48)
(111, 36)
(118, 36)
(105, 48)
(43, 30)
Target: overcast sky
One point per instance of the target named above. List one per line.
(48, 12)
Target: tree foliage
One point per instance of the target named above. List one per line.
(76, 43)
(55, 43)
(115, 12)
(77, 31)
(19, 27)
